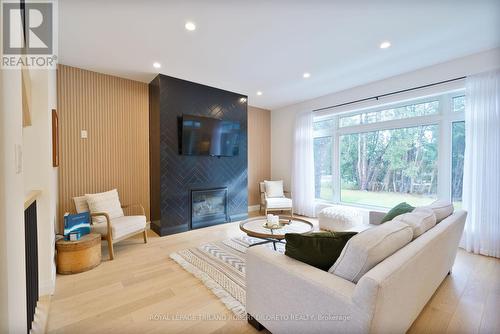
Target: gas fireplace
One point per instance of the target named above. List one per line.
(208, 207)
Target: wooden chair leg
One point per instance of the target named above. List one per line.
(145, 234)
(291, 212)
(110, 249)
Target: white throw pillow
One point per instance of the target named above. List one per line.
(420, 220)
(368, 248)
(274, 188)
(442, 209)
(108, 202)
(81, 204)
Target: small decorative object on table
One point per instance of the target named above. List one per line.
(74, 236)
(272, 222)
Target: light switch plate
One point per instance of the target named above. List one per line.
(83, 134)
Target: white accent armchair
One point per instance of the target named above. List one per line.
(111, 225)
(272, 197)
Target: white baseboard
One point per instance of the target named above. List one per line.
(252, 208)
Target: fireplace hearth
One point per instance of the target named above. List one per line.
(208, 207)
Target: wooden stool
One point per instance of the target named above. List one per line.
(78, 256)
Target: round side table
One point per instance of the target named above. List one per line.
(78, 256)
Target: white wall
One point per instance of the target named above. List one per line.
(38, 172)
(35, 143)
(282, 120)
(12, 265)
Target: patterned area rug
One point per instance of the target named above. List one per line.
(220, 266)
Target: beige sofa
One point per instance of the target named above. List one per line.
(288, 296)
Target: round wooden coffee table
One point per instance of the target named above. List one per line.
(254, 227)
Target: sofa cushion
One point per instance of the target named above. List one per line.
(442, 209)
(318, 249)
(107, 202)
(121, 226)
(274, 188)
(368, 248)
(278, 202)
(420, 220)
(81, 204)
(399, 209)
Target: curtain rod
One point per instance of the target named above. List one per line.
(388, 94)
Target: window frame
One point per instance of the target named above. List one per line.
(444, 119)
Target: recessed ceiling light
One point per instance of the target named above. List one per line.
(385, 45)
(259, 93)
(306, 75)
(190, 26)
(156, 65)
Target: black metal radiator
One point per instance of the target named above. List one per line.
(31, 252)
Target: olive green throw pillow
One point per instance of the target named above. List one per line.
(399, 209)
(318, 249)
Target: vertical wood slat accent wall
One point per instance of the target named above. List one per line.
(259, 151)
(115, 113)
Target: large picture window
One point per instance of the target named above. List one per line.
(323, 145)
(410, 152)
(389, 114)
(384, 168)
(323, 168)
(457, 162)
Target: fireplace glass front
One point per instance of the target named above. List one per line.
(208, 207)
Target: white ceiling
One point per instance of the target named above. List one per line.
(247, 46)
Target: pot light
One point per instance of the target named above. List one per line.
(385, 45)
(156, 65)
(306, 75)
(190, 26)
(259, 93)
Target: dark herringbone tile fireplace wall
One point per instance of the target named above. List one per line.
(173, 175)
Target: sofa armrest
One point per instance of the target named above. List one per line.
(279, 286)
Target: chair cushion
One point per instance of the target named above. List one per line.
(108, 202)
(278, 202)
(121, 226)
(420, 220)
(442, 209)
(274, 188)
(81, 204)
(318, 249)
(368, 248)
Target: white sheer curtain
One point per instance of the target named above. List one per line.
(303, 166)
(481, 188)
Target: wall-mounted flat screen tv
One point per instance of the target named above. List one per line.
(209, 136)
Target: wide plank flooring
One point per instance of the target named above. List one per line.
(144, 291)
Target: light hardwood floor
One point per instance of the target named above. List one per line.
(125, 295)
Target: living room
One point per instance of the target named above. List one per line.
(209, 167)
